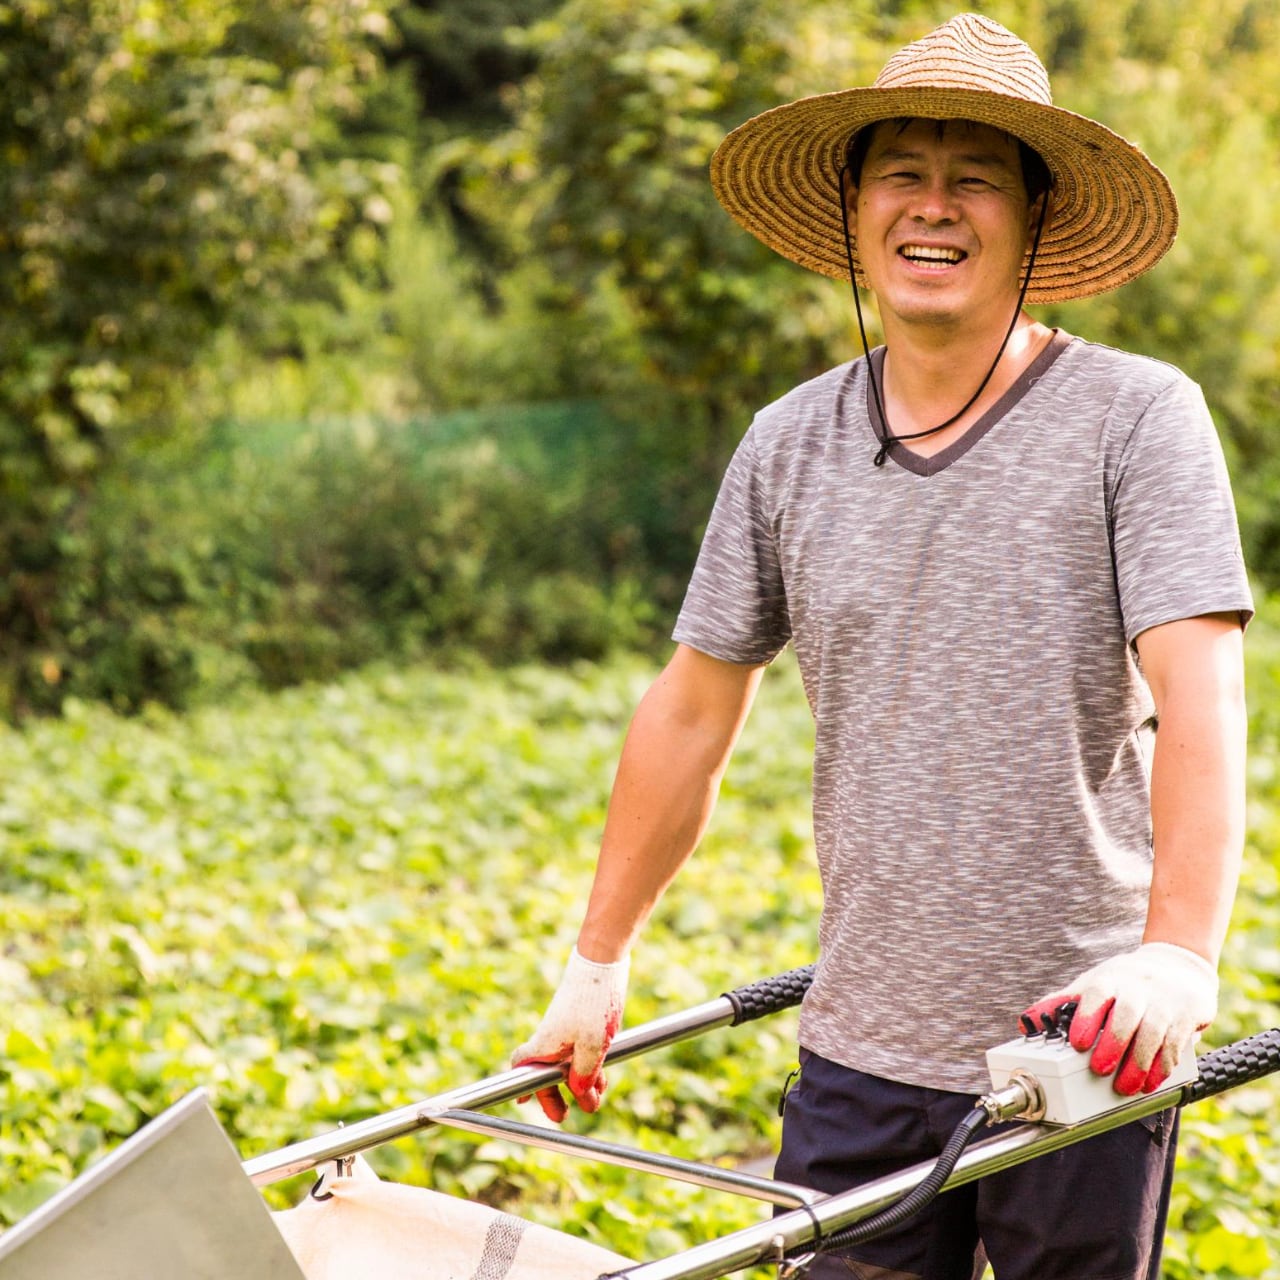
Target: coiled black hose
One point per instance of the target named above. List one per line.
(920, 1195)
(1222, 1069)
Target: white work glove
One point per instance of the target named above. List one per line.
(575, 1032)
(1136, 1011)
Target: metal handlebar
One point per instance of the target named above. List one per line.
(783, 1236)
(757, 1000)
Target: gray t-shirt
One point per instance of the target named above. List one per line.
(964, 626)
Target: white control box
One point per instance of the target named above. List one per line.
(1072, 1092)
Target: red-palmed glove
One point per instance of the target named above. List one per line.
(575, 1032)
(1136, 1011)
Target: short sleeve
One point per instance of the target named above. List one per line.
(735, 608)
(1175, 537)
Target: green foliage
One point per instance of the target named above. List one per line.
(462, 55)
(280, 554)
(512, 343)
(331, 902)
(209, 219)
(607, 174)
(163, 175)
(327, 903)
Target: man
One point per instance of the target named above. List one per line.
(993, 601)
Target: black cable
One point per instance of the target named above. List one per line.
(921, 1195)
(1220, 1070)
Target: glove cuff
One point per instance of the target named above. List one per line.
(1183, 956)
(596, 971)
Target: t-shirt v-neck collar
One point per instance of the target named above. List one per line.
(921, 465)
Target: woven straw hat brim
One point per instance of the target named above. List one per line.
(1113, 213)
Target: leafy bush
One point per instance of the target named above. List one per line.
(329, 902)
(281, 554)
(162, 180)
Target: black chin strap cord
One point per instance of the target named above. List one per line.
(888, 439)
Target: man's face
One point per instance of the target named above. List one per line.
(942, 223)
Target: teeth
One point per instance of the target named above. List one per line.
(931, 253)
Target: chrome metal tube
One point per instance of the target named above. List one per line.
(365, 1134)
(691, 1171)
(769, 1242)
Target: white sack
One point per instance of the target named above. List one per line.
(392, 1232)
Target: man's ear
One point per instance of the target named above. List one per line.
(1043, 201)
(849, 194)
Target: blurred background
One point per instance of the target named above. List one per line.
(333, 332)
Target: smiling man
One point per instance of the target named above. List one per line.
(1003, 555)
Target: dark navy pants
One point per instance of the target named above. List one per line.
(1094, 1210)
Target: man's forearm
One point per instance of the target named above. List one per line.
(675, 755)
(1197, 794)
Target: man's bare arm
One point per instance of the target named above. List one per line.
(675, 755)
(676, 752)
(1195, 668)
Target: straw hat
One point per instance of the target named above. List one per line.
(1113, 213)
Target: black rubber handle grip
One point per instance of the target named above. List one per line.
(1219, 1070)
(1237, 1063)
(770, 995)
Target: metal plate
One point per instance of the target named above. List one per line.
(170, 1203)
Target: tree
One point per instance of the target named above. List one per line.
(165, 173)
(606, 176)
(462, 56)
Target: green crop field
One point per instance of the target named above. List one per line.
(328, 902)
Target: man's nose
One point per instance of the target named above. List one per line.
(935, 201)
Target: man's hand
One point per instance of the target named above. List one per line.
(575, 1032)
(1136, 1011)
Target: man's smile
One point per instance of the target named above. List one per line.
(931, 256)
